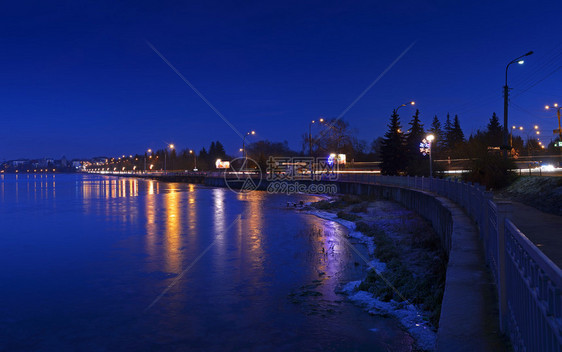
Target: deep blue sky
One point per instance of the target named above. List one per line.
(78, 78)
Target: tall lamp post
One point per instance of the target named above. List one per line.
(310, 135)
(520, 61)
(171, 146)
(511, 134)
(148, 151)
(405, 104)
(555, 106)
(429, 140)
(194, 159)
(244, 142)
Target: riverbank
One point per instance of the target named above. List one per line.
(407, 266)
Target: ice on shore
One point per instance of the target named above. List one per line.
(414, 322)
(407, 314)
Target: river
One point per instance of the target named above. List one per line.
(99, 263)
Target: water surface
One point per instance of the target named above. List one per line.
(102, 263)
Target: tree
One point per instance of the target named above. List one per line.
(393, 153)
(414, 136)
(448, 140)
(219, 150)
(494, 133)
(456, 139)
(437, 132)
(261, 151)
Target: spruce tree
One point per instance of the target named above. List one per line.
(393, 149)
(458, 134)
(494, 132)
(448, 141)
(219, 150)
(457, 138)
(414, 137)
(437, 132)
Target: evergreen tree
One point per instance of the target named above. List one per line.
(457, 133)
(448, 141)
(457, 139)
(414, 137)
(393, 153)
(437, 132)
(494, 132)
(219, 150)
(436, 128)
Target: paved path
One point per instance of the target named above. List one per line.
(469, 311)
(543, 229)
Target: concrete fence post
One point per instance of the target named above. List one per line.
(504, 211)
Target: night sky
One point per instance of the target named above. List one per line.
(79, 79)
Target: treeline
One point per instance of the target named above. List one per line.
(169, 159)
(398, 150)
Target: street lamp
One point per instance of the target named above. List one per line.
(505, 99)
(195, 159)
(405, 104)
(310, 134)
(555, 106)
(148, 151)
(511, 134)
(430, 139)
(171, 146)
(244, 142)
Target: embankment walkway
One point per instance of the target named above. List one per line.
(543, 229)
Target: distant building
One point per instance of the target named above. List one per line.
(19, 163)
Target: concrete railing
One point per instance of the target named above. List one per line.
(529, 285)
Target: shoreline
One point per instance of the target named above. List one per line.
(414, 321)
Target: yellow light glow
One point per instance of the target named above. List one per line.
(521, 128)
(413, 102)
(536, 127)
(172, 146)
(555, 105)
(321, 120)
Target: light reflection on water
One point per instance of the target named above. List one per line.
(85, 263)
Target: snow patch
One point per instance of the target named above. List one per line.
(408, 315)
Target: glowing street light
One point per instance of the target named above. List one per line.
(405, 104)
(195, 159)
(511, 134)
(520, 61)
(244, 142)
(148, 152)
(559, 130)
(430, 139)
(171, 146)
